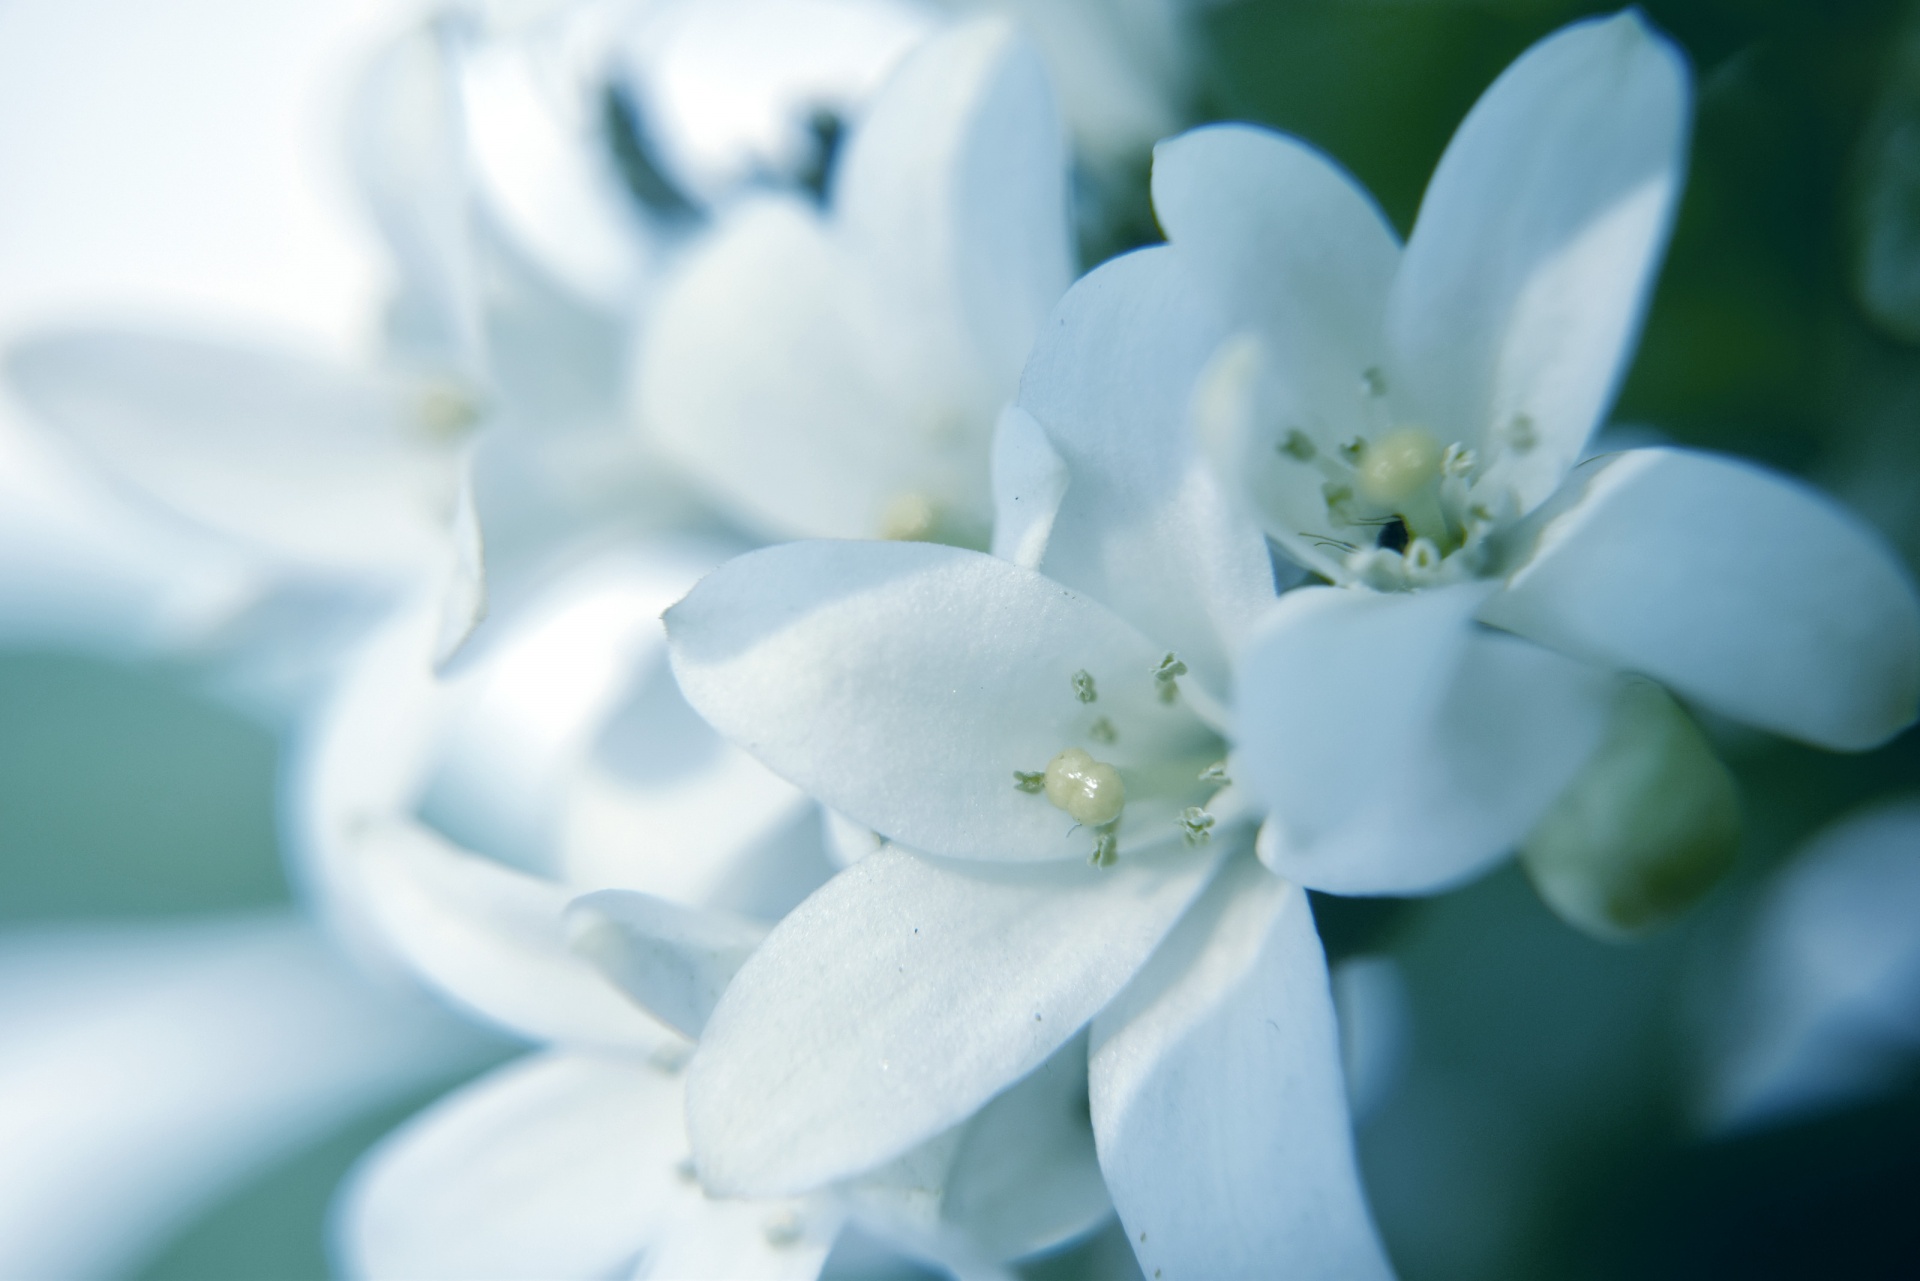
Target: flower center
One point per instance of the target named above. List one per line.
(1087, 789)
(1398, 468)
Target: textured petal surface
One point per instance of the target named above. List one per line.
(673, 961)
(558, 1166)
(1144, 528)
(1284, 242)
(1746, 591)
(905, 994)
(148, 1070)
(904, 684)
(494, 940)
(1523, 282)
(1401, 748)
(299, 457)
(1218, 1100)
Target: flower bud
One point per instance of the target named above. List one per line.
(1647, 828)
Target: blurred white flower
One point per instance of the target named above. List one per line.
(1406, 424)
(1820, 1006)
(1003, 726)
(839, 373)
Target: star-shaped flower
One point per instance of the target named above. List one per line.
(1409, 424)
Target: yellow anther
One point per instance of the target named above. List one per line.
(1089, 790)
(1398, 466)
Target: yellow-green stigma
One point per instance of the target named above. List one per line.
(1398, 466)
(1088, 790)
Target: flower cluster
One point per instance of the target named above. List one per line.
(880, 758)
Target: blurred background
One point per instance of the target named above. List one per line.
(1535, 1103)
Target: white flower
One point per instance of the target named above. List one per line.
(839, 374)
(977, 714)
(1407, 424)
(620, 863)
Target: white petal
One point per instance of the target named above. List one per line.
(465, 603)
(537, 689)
(1029, 480)
(839, 376)
(1025, 1176)
(1242, 415)
(1144, 528)
(729, 87)
(1218, 1102)
(1524, 280)
(305, 459)
(148, 1070)
(543, 169)
(1760, 598)
(765, 372)
(1283, 241)
(1124, 68)
(409, 157)
(673, 961)
(905, 994)
(711, 1239)
(690, 817)
(1827, 1004)
(1401, 748)
(904, 684)
(953, 192)
(494, 940)
(559, 1166)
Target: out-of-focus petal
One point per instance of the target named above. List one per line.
(494, 940)
(540, 164)
(714, 1239)
(1025, 1176)
(905, 994)
(1218, 1101)
(905, 684)
(408, 143)
(729, 89)
(1402, 748)
(1145, 527)
(673, 961)
(560, 1166)
(1521, 290)
(296, 456)
(953, 195)
(1748, 592)
(1825, 1007)
(758, 374)
(147, 1069)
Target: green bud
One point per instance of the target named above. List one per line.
(1647, 828)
